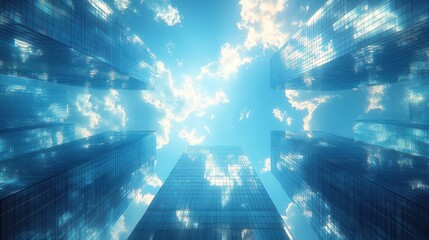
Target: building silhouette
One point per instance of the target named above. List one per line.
(212, 193)
(77, 190)
(79, 42)
(350, 44)
(352, 190)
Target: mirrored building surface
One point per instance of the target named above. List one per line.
(76, 42)
(17, 141)
(212, 193)
(26, 102)
(401, 136)
(419, 104)
(348, 44)
(76, 190)
(351, 190)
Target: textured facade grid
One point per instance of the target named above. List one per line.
(212, 193)
(419, 104)
(77, 190)
(351, 190)
(25, 102)
(400, 136)
(348, 44)
(17, 141)
(81, 38)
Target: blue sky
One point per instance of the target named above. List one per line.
(213, 60)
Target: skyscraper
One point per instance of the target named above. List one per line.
(17, 141)
(348, 44)
(351, 190)
(401, 136)
(419, 104)
(26, 102)
(76, 190)
(79, 42)
(212, 193)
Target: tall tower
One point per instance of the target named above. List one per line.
(352, 190)
(348, 44)
(76, 42)
(77, 190)
(212, 193)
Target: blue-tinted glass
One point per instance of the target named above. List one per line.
(351, 190)
(212, 193)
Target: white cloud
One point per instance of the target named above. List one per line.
(290, 214)
(309, 105)
(122, 4)
(244, 114)
(278, 114)
(116, 110)
(375, 96)
(267, 165)
(207, 129)
(153, 180)
(191, 136)
(289, 121)
(179, 102)
(86, 107)
(164, 11)
(230, 60)
(259, 18)
(119, 228)
(138, 197)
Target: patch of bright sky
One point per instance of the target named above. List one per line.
(214, 47)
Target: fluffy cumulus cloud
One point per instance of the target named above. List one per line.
(164, 11)
(309, 105)
(267, 165)
(191, 137)
(244, 114)
(153, 180)
(375, 97)
(122, 4)
(119, 228)
(140, 198)
(261, 21)
(105, 112)
(178, 101)
(282, 116)
(230, 60)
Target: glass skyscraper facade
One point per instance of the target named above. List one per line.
(76, 190)
(348, 44)
(401, 136)
(17, 141)
(352, 190)
(419, 104)
(212, 193)
(26, 102)
(76, 42)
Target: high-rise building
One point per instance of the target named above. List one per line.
(419, 104)
(76, 190)
(348, 44)
(75, 42)
(26, 102)
(17, 141)
(212, 193)
(401, 136)
(352, 190)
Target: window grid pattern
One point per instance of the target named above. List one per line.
(77, 190)
(364, 42)
(16, 141)
(211, 193)
(400, 136)
(352, 190)
(25, 102)
(71, 31)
